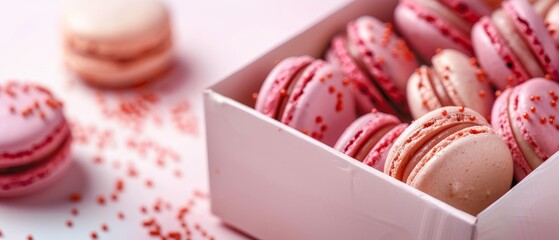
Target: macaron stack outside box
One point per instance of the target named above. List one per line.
(273, 181)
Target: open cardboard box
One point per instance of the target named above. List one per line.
(274, 182)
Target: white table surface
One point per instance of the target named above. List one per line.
(213, 39)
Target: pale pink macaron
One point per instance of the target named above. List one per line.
(453, 154)
(117, 43)
(514, 45)
(552, 22)
(378, 61)
(369, 138)
(310, 95)
(432, 24)
(525, 116)
(35, 140)
(454, 80)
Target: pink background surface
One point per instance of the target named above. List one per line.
(151, 139)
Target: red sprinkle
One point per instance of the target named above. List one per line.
(543, 120)
(533, 109)
(525, 116)
(93, 235)
(461, 109)
(69, 224)
(75, 211)
(444, 112)
(29, 237)
(101, 200)
(75, 197)
(482, 93)
(318, 119)
(472, 117)
(105, 227)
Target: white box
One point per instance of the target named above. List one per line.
(274, 182)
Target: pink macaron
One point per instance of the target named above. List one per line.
(379, 63)
(35, 140)
(453, 154)
(117, 43)
(513, 45)
(453, 80)
(525, 117)
(432, 24)
(369, 138)
(310, 95)
(552, 22)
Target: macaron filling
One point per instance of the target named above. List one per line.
(90, 51)
(23, 168)
(24, 176)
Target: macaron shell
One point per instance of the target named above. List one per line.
(423, 129)
(114, 20)
(552, 19)
(467, 170)
(378, 154)
(493, 53)
(387, 57)
(366, 94)
(33, 123)
(537, 99)
(515, 41)
(465, 83)
(321, 104)
(527, 21)
(361, 129)
(425, 36)
(471, 10)
(421, 95)
(40, 176)
(278, 80)
(114, 73)
(543, 7)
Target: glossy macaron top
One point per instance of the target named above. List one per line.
(32, 123)
(432, 24)
(379, 62)
(312, 96)
(114, 20)
(526, 118)
(454, 80)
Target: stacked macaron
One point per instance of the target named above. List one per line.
(35, 139)
(117, 43)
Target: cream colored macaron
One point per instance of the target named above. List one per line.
(117, 43)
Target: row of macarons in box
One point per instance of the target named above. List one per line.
(464, 147)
